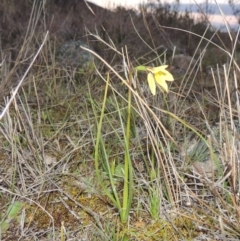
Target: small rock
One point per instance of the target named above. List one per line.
(49, 160)
(182, 62)
(205, 169)
(72, 55)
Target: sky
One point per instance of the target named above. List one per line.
(107, 3)
(216, 19)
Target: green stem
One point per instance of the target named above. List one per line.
(99, 143)
(128, 172)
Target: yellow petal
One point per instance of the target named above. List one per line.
(161, 70)
(168, 76)
(158, 69)
(151, 83)
(160, 79)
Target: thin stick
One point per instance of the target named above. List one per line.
(22, 79)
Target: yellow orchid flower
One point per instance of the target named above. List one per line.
(158, 76)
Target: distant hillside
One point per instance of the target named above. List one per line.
(74, 20)
(66, 20)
